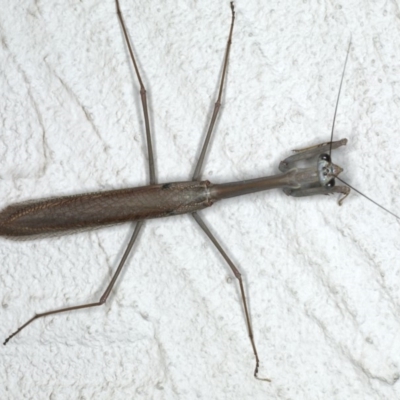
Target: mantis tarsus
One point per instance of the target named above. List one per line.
(215, 174)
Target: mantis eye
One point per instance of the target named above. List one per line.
(325, 157)
(331, 183)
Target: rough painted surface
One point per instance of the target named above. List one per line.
(323, 280)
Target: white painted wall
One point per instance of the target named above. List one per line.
(323, 280)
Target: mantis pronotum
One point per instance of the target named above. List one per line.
(270, 232)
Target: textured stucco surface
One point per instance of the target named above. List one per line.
(323, 280)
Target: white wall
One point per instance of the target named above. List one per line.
(323, 281)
